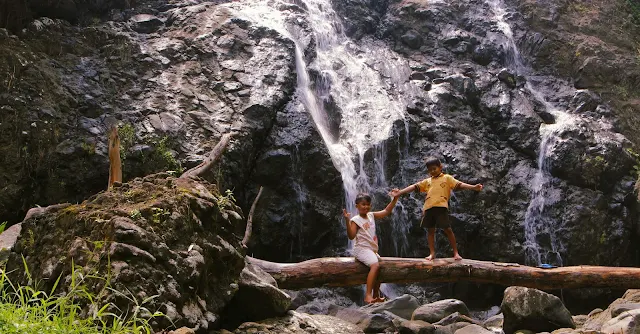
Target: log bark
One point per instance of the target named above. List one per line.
(249, 228)
(347, 272)
(215, 154)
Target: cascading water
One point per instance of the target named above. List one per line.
(361, 83)
(541, 231)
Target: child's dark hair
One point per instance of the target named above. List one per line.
(363, 197)
(432, 161)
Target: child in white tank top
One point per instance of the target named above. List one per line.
(362, 227)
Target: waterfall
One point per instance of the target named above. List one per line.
(366, 84)
(541, 231)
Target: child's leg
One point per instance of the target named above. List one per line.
(452, 240)
(432, 243)
(369, 258)
(372, 279)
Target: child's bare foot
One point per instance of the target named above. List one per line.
(380, 300)
(368, 299)
(430, 257)
(457, 257)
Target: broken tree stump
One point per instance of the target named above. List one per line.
(347, 272)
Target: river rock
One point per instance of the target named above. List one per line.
(526, 308)
(437, 311)
(402, 306)
(255, 285)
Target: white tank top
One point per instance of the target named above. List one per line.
(366, 235)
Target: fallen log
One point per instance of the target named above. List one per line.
(348, 272)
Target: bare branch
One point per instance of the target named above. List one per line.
(249, 229)
(215, 154)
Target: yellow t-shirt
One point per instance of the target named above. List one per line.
(438, 190)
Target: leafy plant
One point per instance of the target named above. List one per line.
(28, 310)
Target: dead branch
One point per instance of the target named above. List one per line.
(249, 229)
(215, 154)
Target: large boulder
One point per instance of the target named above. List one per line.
(154, 236)
(437, 311)
(535, 310)
(258, 298)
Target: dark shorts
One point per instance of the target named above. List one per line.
(436, 217)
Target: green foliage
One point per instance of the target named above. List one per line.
(634, 8)
(28, 310)
(127, 134)
(135, 214)
(3, 226)
(159, 214)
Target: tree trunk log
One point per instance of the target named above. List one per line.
(215, 154)
(347, 272)
(115, 165)
(249, 228)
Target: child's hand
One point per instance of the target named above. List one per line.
(395, 192)
(478, 187)
(346, 215)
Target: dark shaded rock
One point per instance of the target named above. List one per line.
(138, 232)
(507, 77)
(257, 298)
(145, 23)
(412, 39)
(585, 101)
(437, 311)
(416, 327)
(525, 308)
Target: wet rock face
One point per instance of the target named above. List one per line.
(155, 236)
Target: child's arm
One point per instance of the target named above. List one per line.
(352, 228)
(466, 186)
(397, 192)
(387, 211)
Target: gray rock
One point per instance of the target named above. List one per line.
(437, 311)
(403, 306)
(368, 322)
(616, 310)
(451, 329)
(145, 23)
(535, 310)
(473, 329)
(257, 298)
(416, 327)
(494, 323)
(456, 317)
(300, 323)
(625, 323)
(8, 239)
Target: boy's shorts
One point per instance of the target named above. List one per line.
(366, 256)
(436, 217)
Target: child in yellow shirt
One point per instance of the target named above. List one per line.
(436, 205)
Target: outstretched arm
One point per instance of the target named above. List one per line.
(466, 186)
(397, 192)
(352, 228)
(387, 211)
